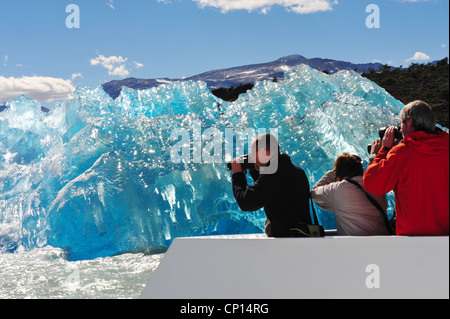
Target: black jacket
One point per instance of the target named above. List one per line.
(284, 196)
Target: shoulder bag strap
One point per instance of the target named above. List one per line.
(374, 203)
(316, 220)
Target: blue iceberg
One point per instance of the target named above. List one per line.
(94, 175)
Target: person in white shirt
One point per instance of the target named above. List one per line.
(355, 214)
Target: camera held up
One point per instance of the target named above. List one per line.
(397, 135)
(244, 160)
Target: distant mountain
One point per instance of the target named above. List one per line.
(233, 77)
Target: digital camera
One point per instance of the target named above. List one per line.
(244, 163)
(397, 135)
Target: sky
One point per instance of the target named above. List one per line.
(49, 47)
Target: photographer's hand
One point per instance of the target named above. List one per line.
(236, 167)
(376, 146)
(389, 140)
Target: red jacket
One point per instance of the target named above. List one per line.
(417, 171)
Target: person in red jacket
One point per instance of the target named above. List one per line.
(417, 169)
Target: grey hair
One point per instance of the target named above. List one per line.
(421, 115)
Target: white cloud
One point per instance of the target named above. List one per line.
(419, 56)
(114, 64)
(297, 6)
(138, 65)
(108, 62)
(120, 70)
(77, 75)
(41, 89)
(110, 3)
(5, 61)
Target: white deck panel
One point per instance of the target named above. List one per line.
(257, 267)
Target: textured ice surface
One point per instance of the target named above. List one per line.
(94, 175)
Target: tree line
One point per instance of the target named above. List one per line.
(428, 82)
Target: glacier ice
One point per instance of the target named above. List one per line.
(94, 175)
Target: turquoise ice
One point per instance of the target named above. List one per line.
(94, 175)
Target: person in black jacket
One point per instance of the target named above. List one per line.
(283, 190)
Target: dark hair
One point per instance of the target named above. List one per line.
(347, 166)
(268, 141)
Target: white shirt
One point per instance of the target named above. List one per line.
(355, 214)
